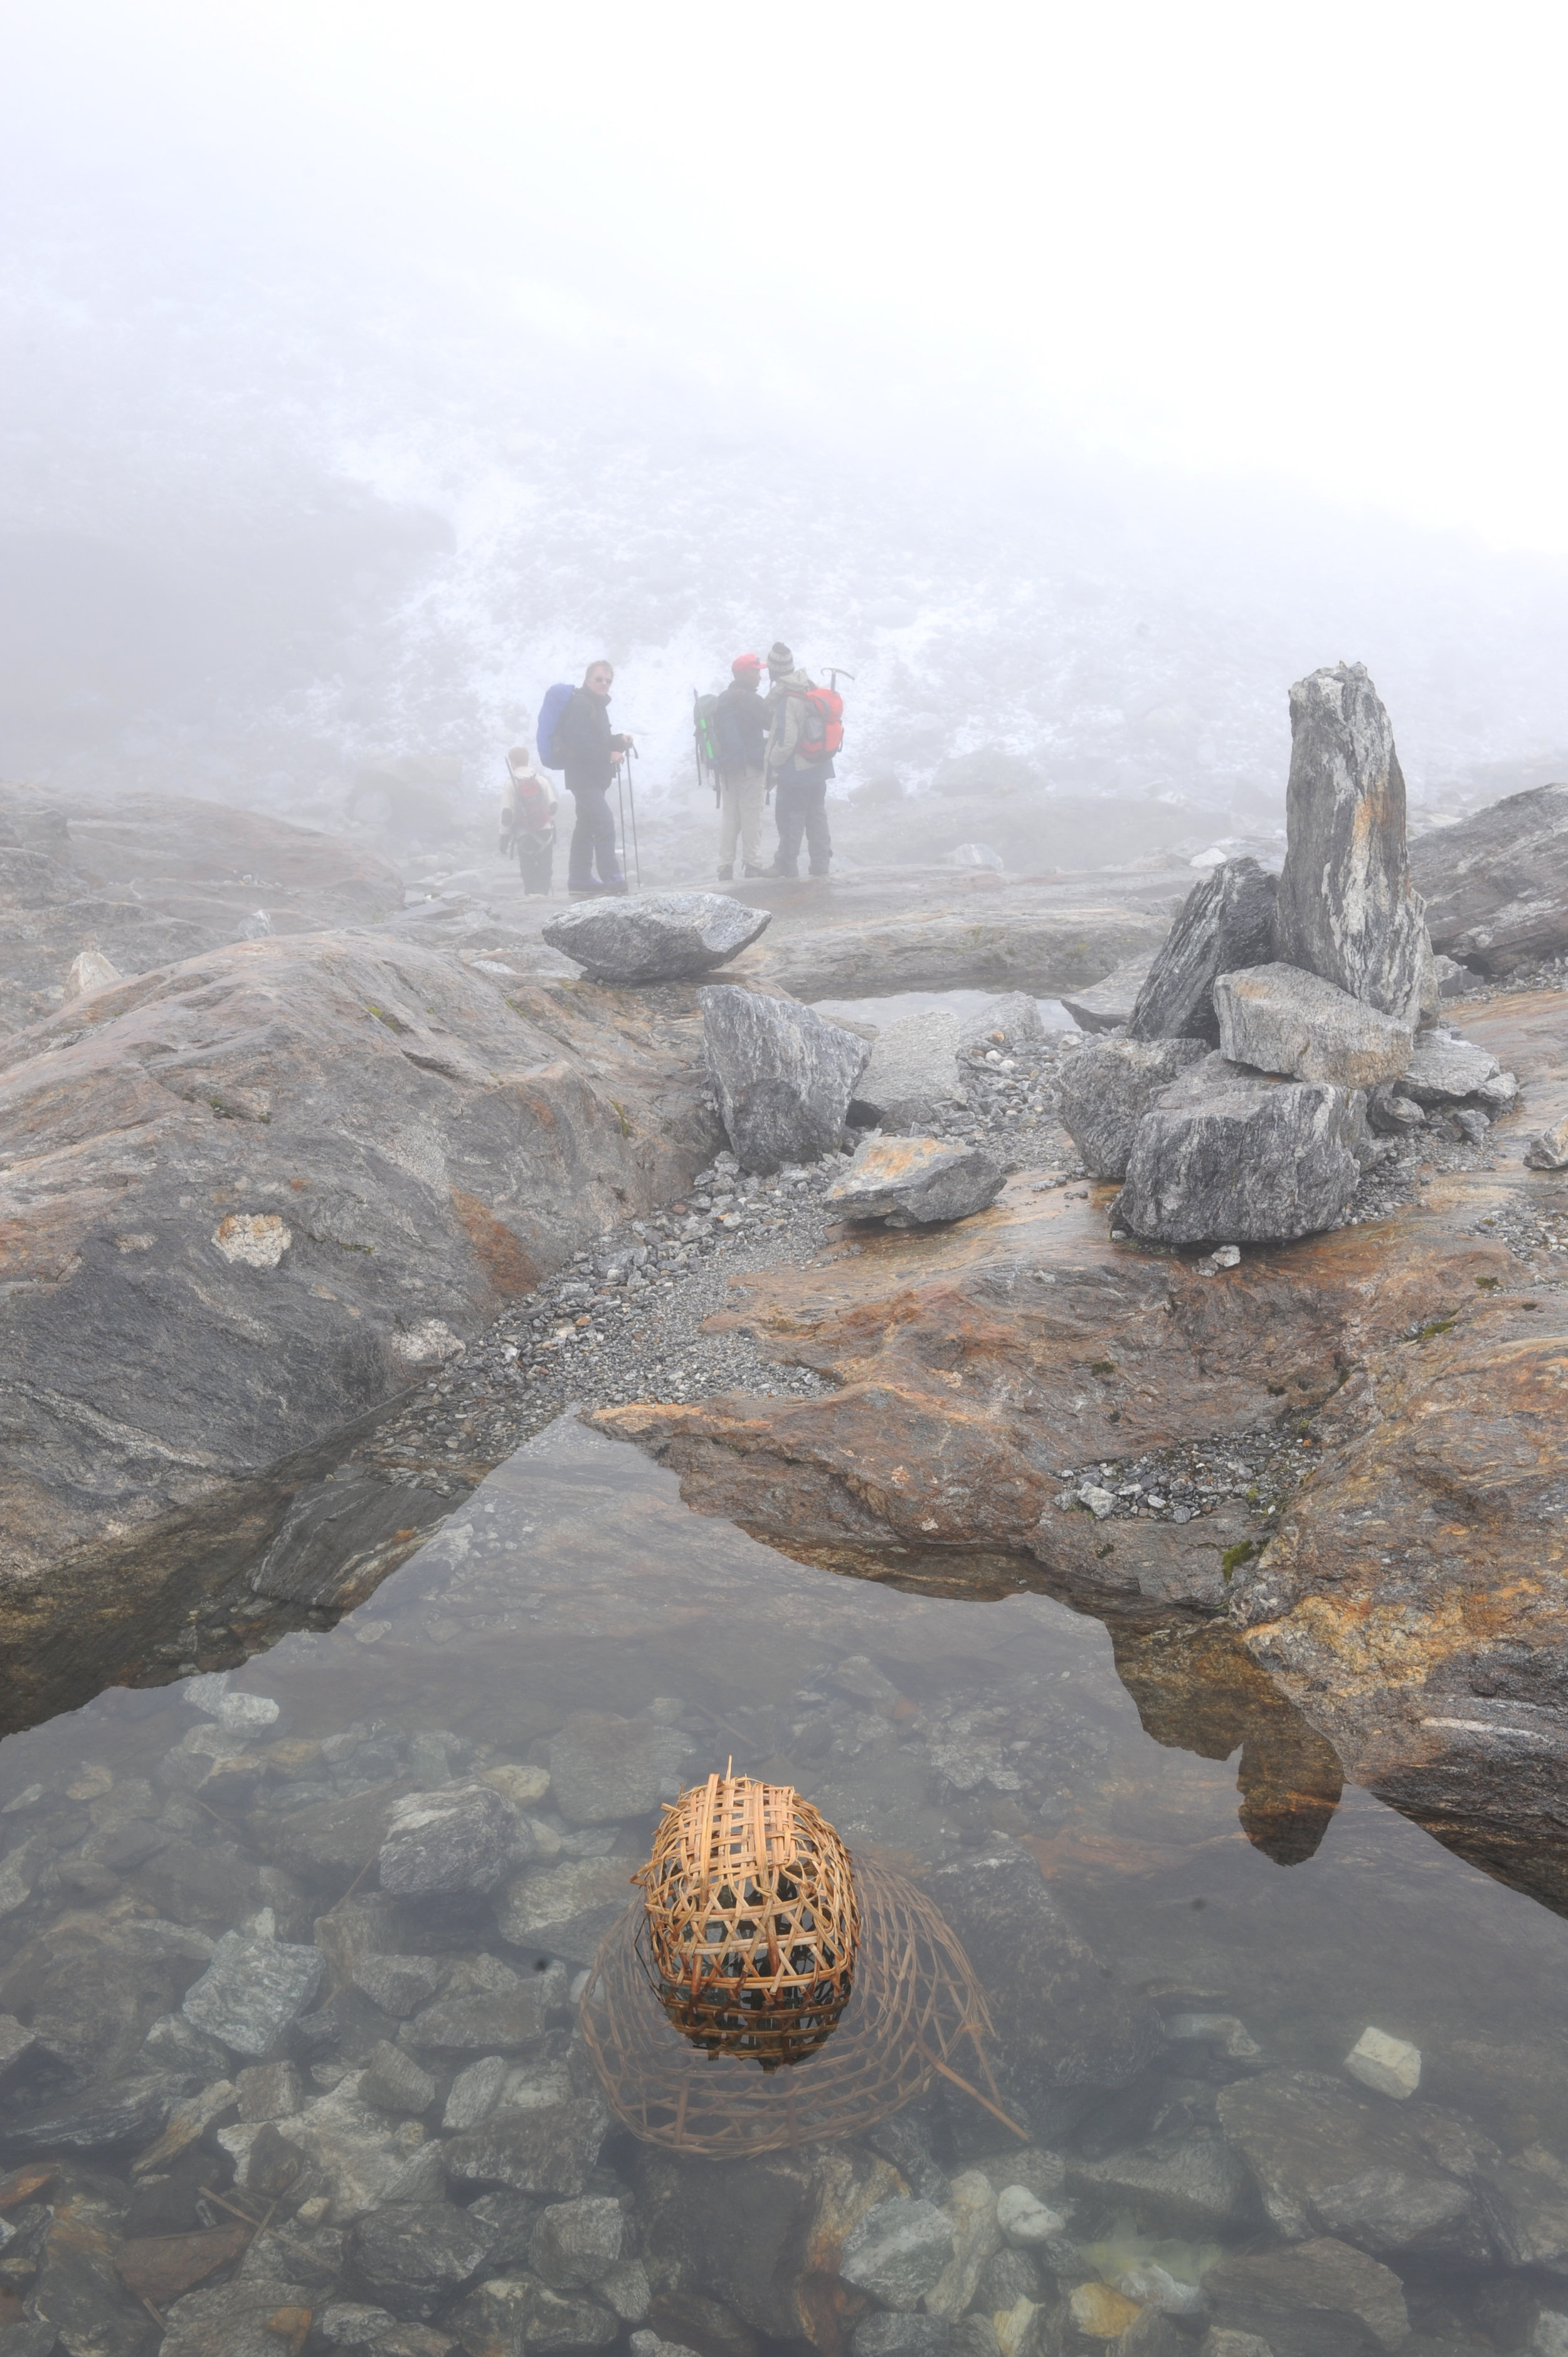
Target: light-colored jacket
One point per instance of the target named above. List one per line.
(515, 819)
(789, 712)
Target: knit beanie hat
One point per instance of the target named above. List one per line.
(779, 657)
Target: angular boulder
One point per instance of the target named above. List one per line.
(1107, 1005)
(1106, 1089)
(1445, 1072)
(1280, 1019)
(783, 1077)
(916, 1182)
(412, 2256)
(462, 1838)
(252, 1990)
(912, 1072)
(1346, 908)
(1226, 924)
(897, 2251)
(1549, 1150)
(661, 937)
(1242, 1161)
(1011, 1021)
(1496, 886)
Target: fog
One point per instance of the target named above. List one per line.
(1074, 385)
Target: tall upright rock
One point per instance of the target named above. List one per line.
(1345, 906)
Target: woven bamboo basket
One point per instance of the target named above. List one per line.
(915, 2012)
(752, 1922)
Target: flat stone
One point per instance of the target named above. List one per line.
(1444, 1071)
(1107, 1087)
(270, 2091)
(656, 937)
(564, 1910)
(1108, 1005)
(783, 1077)
(394, 2082)
(243, 2319)
(1496, 886)
(1260, 1162)
(604, 1768)
(1226, 923)
(1195, 2191)
(1221, 2342)
(488, 2321)
(1025, 2220)
(1009, 2277)
(898, 2251)
(1310, 2300)
(327, 1833)
(551, 2150)
(412, 2256)
(1528, 2205)
(464, 1838)
(1549, 1151)
(1279, 1019)
(1101, 2311)
(399, 1984)
(1391, 2066)
(561, 2323)
(578, 2242)
(912, 1074)
(1346, 908)
(158, 2267)
(252, 1990)
(489, 2021)
(509, 2219)
(121, 2117)
(916, 1182)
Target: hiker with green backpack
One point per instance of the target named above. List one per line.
(732, 739)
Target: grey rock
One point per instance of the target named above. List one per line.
(916, 1182)
(347, 2323)
(1007, 2276)
(603, 1767)
(509, 2219)
(1221, 2342)
(270, 2091)
(912, 1074)
(488, 2321)
(897, 2251)
(252, 1990)
(474, 2094)
(628, 2290)
(1195, 2192)
(1108, 1005)
(407, 2340)
(903, 2139)
(1047, 950)
(1254, 1162)
(399, 1984)
(1014, 1020)
(1345, 906)
(1330, 2160)
(649, 2344)
(394, 2082)
(464, 1838)
(1151, 2335)
(1496, 884)
(1107, 1088)
(1279, 1019)
(656, 937)
(1527, 2203)
(1549, 2336)
(901, 2333)
(16, 2045)
(549, 2323)
(412, 2256)
(1391, 1114)
(974, 2336)
(1310, 2300)
(1549, 1151)
(551, 2150)
(1226, 923)
(28, 2340)
(487, 2022)
(1452, 979)
(783, 1077)
(120, 2117)
(1444, 1071)
(972, 2206)
(1064, 2021)
(232, 2320)
(578, 2242)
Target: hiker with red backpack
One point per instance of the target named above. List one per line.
(805, 731)
(575, 737)
(528, 821)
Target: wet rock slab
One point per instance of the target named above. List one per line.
(656, 937)
(1495, 885)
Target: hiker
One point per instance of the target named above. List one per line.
(528, 821)
(583, 748)
(740, 740)
(802, 782)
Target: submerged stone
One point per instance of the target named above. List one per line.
(252, 1990)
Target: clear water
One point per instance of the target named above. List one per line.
(964, 1003)
(926, 1728)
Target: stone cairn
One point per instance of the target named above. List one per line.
(1284, 1028)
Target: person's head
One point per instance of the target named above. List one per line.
(518, 761)
(597, 677)
(780, 659)
(746, 672)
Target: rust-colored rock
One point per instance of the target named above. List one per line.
(161, 2266)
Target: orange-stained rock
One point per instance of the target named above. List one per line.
(160, 2266)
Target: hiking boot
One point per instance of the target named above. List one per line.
(727, 875)
(752, 873)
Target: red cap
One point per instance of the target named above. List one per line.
(747, 662)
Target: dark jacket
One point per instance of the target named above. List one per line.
(584, 745)
(740, 729)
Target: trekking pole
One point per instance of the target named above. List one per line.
(620, 805)
(631, 798)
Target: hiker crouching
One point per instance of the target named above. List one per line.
(528, 820)
(740, 718)
(799, 775)
(590, 756)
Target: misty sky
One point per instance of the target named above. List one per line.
(1279, 266)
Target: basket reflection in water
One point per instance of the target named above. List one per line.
(888, 2001)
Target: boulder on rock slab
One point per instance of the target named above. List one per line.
(90, 970)
(252, 1990)
(783, 1077)
(1254, 1163)
(1279, 1019)
(1226, 924)
(1346, 908)
(916, 1182)
(464, 1838)
(1444, 1070)
(1310, 2300)
(898, 2251)
(656, 937)
(912, 1072)
(1549, 1150)
(1108, 1005)
(1107, 1088)
(1496, 886)
(1196, 2189)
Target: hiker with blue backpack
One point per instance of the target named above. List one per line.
(805, 731)
(574, 736)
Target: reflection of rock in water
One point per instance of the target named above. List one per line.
(1197, 1689)
(915, 2011)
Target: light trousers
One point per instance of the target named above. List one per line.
(741, 797)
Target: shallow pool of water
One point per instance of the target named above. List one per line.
(964, 1003)
(1169, 2008)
